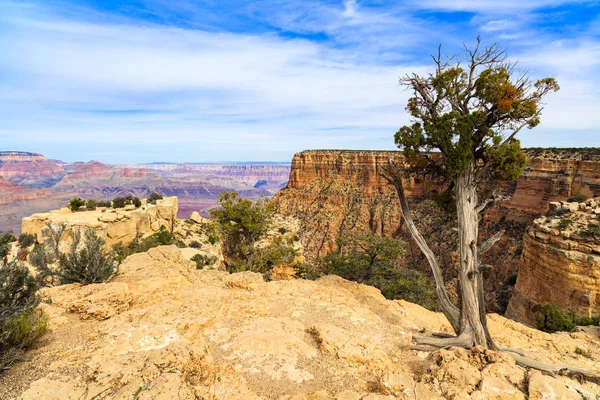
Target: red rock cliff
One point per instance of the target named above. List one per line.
(333, 191)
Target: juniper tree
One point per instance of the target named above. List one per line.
(465, 119)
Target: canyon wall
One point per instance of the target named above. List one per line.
(333, 192)
(112, 225)
(560, 262)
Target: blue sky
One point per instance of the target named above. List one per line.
(225, 80)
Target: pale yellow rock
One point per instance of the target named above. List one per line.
(120, 226)
(493, 388)
(195, 217)
(163, 329)
(283, 272)
(543, 387)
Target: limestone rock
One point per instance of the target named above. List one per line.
(120, 226)
(161, 329)
(195, 217)
(283, 272)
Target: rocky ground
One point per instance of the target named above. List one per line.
(161, 329)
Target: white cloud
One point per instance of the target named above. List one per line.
(492, 6)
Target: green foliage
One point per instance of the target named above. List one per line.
(194, 244)
(120, 202)
(241, 223)
(592, 230)
(20, 323)
(26, 240)
(373, 260)
(564, 223)
(282, 230)
(138, 245)
(265, 258)
(578, 198)
(91, 205)
(153, 197)
(85, 262)
(106, 203)
(76, 204)
(203, 260)
(470, 110)
(5, 244)
(583, 352)
(550, 319)
(307, 271)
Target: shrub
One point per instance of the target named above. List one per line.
(550, 319)
(21, 324)
(86, 262)
(564, 223)
(373, 260)
(26, 240)
(195, 244)
(153, 197)
(279, 252)
(307, 271)
(578, 198)
(282, 230)
(106, 203)
(76, 204)
(583, 352)
(203, 260)
(137, 202)
(558, 212)
(118, 202)
(241, 223)
(91, 205)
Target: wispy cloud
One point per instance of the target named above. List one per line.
(179, 81)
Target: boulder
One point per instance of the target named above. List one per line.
(195, 217)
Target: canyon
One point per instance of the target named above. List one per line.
(31, 183)
(335, 192)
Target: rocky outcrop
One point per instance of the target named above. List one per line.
(161, 329)
(113, 225)
(560, 262)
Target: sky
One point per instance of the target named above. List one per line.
(224, 80)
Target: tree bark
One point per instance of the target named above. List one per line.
(468, 220)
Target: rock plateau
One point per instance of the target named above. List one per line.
(161, 329)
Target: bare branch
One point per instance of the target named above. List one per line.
(489, 243)
(393, 176)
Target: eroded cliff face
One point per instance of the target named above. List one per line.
(560, 263)
(336, 191)
(114, 226)
(30, 169)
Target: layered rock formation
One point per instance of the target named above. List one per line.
(560, 262)
(335, 191)
(30, 169)
(112, 225)
(163, 330)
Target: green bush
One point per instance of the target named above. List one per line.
(282, 230)
(550, 319)
(76, 204)
(264, 259)
(578, 198)
(564, 223)
(104, 203)
(374, 260)
(86, 261)
(118, 202)
(203, 260)
(153, 197)
(241, 223)
(26, 240)
(91, 205)
(307, 271)
(195, 244)
(21, 324)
